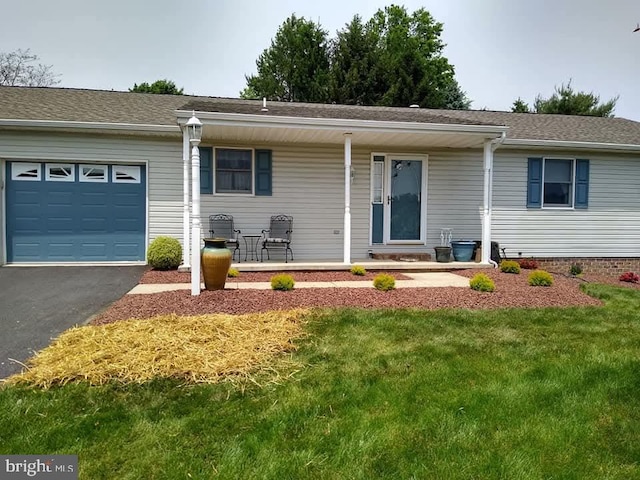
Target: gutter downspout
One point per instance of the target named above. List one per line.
(347, 200)
(490, 146)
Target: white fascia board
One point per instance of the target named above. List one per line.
(348, 125)
(131, 127)
(525, 143)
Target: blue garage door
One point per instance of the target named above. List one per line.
(62, 212)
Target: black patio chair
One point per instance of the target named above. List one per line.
(221, 226)
(278, 235)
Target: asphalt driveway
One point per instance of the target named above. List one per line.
(38, 303)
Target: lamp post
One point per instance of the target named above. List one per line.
(194, 129)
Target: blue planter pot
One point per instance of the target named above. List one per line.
(463, 250)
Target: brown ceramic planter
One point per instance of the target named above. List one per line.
(216, 260)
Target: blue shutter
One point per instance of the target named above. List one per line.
(263, 172)
(206, 170)
(582, 184)
(534, 183)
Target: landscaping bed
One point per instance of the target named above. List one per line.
(511, 291)
(173, 276)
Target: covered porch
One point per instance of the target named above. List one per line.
(334, 176)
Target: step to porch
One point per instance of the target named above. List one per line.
(369, 264)
(402, 257)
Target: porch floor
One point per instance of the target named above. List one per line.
(369, 264)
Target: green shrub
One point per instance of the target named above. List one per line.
(358, 270)
(575, 269)
(282, 281)
(233, 273)
(509, 266)
(384, 282)
(540, 278)
(164, 253)
(482, 283)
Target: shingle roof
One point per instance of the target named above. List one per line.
(138, 108)
(319, 110)
(66, 104)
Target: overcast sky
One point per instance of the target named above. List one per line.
(501, 49)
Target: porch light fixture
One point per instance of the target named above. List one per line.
(194, 129)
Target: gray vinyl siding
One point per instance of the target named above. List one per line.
(609, 227)
(308, 184)
(163, 159)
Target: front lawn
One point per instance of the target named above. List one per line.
(512, 393)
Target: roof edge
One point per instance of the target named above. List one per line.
(242, 119)
(519, 142)
(57, 124)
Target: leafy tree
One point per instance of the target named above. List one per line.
(164, 87)
(411, 57)
(356, 78)
(520, 106)
(393, 59)
(454, 97)
(295, 68)
(18, 69)
(568, 102)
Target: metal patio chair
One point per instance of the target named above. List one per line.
(278, 235)
(221, 226)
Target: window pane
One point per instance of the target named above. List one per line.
(233, 171)
(377, 181)
(558, 182)
(234, 159)
(558, 194)
(558, 171)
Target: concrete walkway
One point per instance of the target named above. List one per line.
(418, 280)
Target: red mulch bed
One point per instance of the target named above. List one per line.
(511, 291)
(173, 276)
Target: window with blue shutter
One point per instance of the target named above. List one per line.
(534, 183)
(557, 182)
(263, 173)
(582, 184)
(206, 170)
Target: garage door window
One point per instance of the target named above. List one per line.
(59, 172)
(29, 172)
(125, 174)
(93, 173)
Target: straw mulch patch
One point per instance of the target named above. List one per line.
(196, 349)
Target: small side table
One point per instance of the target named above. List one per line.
(251, 246)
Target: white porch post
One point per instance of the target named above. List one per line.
(195, 220)
(194, 128)
(486, 211)
(347, 199)
(185, 200)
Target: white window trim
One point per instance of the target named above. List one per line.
(18, 168)
(137, 176)
(70, 178)
(253, 172)
(372, 186)
(85, 179)
(573, 185)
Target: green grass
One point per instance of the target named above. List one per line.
(398, 394)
